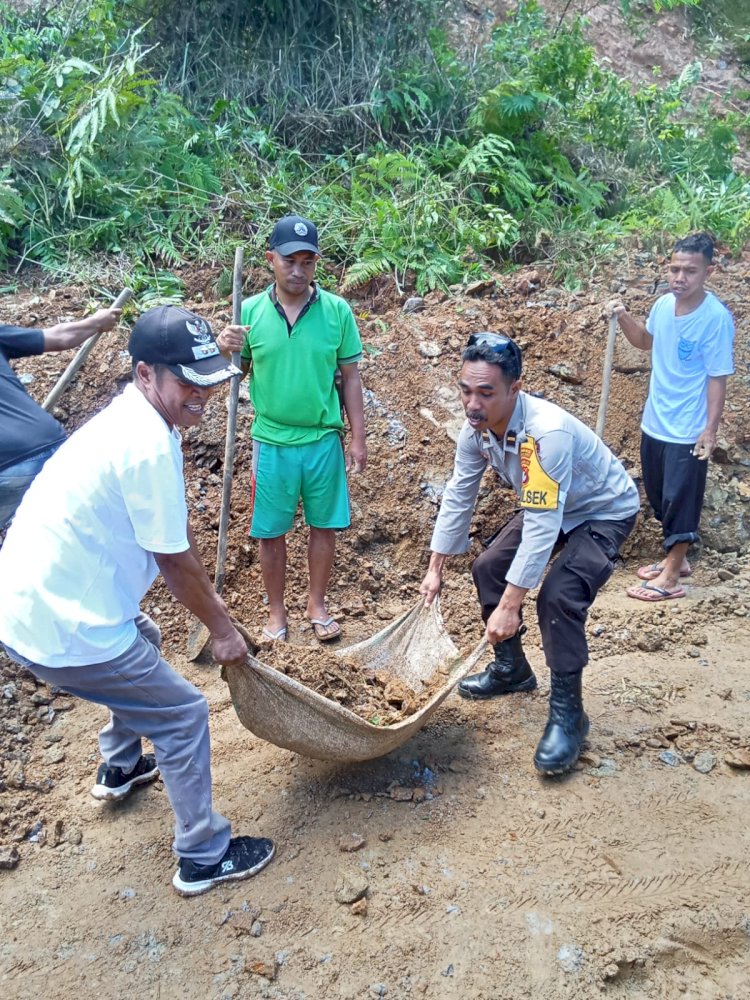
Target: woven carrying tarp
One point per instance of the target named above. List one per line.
(282, 711)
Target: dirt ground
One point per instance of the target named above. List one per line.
(628, 878)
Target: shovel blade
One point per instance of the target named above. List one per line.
(197, 640)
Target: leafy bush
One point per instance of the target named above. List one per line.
(157, 140)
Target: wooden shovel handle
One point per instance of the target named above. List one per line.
(234, 395)
(606, 375)
(83, 352)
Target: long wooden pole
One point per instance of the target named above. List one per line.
(609, 355)
(234, 395)
(83, 352)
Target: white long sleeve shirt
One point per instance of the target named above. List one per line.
(562, 473)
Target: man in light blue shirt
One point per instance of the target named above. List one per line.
(690, 334)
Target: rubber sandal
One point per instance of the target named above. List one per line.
(280, 635)
(319, 624)
(654, 594)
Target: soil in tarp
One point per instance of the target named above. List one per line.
(377, 696)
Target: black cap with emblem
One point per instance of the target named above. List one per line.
(292, 234)
(183, 342)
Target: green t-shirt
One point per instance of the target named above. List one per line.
(292, 380)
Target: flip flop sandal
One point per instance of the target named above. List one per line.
(659, 593)
(320, 624)
(651, 572)
(280, 635)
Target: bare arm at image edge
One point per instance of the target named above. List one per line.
(63, 336)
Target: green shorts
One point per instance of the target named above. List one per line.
(285, 474)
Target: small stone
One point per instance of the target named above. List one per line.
(591, 759)
(351, 842)
(127, 893)
(37, 834)
(570, 957)
(62, 704)
(606, 768)
(429, 349)
(9, 858)
(55, 755)
(359, 909)
(75, 836)
(379, 989)
(401, 793)
(351, 886)
(256, 929)
(528, 282)
(413, 305)
(650, 643)
(670, 758)
(738, 759)
(16, 776)
(704, 762)
(478, 287)
(725, 574)
(385, 836)
(242, 921)
(266, 969)
(566, 373)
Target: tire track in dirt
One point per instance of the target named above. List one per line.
(726, 881)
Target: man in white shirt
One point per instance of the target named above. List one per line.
(105, 515)
(690, 334)
(573, 494)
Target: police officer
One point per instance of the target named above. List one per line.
(574, 496)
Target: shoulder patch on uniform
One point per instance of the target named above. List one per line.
(538, 490)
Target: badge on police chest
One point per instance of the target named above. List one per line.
(538, 490)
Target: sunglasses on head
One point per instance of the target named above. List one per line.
(499, 344)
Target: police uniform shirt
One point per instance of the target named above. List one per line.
(562, 473)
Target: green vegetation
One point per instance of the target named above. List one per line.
(161, 132)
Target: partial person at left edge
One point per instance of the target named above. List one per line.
(105, 516)
(30, 434)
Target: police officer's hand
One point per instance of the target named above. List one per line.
(231, 339)
(502, 624)
(229, 648)
(430, 586)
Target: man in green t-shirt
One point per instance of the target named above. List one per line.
(294, 338)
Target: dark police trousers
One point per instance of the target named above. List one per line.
(583, 565)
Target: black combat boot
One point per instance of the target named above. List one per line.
(567, 726)
(508, 673)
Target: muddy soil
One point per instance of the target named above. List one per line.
(378, 696)
(628, 878)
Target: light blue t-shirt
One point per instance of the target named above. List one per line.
(686, 351)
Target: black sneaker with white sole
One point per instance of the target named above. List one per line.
(244, 857)
(114, 784)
